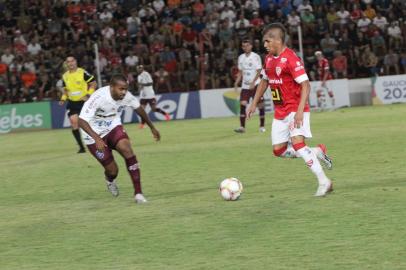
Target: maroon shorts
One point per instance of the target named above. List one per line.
(247, 94)
(111, 139)
(150, 101)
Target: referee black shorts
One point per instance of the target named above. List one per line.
(74, 107)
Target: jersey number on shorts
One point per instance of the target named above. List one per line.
(276, 96)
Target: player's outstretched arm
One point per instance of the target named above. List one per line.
(100, 145)
(260, 92)
(141, 112)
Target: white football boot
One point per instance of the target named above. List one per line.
(113, 188)
(239, 130)
(324, 189)
(262, 129)
(139, 198)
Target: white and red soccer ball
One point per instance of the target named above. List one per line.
(230, 189)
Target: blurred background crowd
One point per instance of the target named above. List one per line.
(188, 44)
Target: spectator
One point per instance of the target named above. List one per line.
(370, 12)
(363, 23)
(308, 21)
(339, 65)
(251, 6)
(133, 24)
(158, 6)
(225, 33)
(242, 26)
(131, 60)
(395, 35)
(378, 44)
(191, 78)
(106, 16)
(293, 22)
(370, 61)
(7, 57)
(380, 21)
(356, 13)
(162, 80)
(343, 15)
(328, 45)
(34, 48)
(332, 18)
(391, 60)
(305, 6)
(227, 13)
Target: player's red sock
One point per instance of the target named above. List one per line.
(262, 117)
(243, 115)
(134, 171)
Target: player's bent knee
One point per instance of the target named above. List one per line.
(278, 152)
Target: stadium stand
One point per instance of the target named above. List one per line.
(188, 44)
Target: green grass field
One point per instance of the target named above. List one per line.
(55, 212)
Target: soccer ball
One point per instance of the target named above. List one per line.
(230, 189)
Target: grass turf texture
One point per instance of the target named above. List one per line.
(56, 213)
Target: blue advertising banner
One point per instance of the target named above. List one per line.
(177, 105)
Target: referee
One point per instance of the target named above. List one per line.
(78, 85)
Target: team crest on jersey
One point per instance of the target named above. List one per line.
(298, 63)
(99, 154)
(278, 71)
(283, 60)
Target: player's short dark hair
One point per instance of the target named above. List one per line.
(246, 40)
(118, 77)
(278, 26)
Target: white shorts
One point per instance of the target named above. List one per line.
(283, 130)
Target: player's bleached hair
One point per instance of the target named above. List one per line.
(118, 77)
(278, 26)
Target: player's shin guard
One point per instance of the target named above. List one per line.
(243, 115)
(134, 171)
(78, 139)
(285, 152)
(262, 117)
(311, 161)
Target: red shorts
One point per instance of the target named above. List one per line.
(247, 94)
(111, 139)
(150, 101)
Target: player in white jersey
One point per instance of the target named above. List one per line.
(249, 69)
(147, 93)
(102, 130)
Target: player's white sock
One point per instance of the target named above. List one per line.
(312, 162)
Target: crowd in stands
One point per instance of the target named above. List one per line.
(188, 44)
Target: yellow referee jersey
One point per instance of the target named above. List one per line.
(76, 83)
